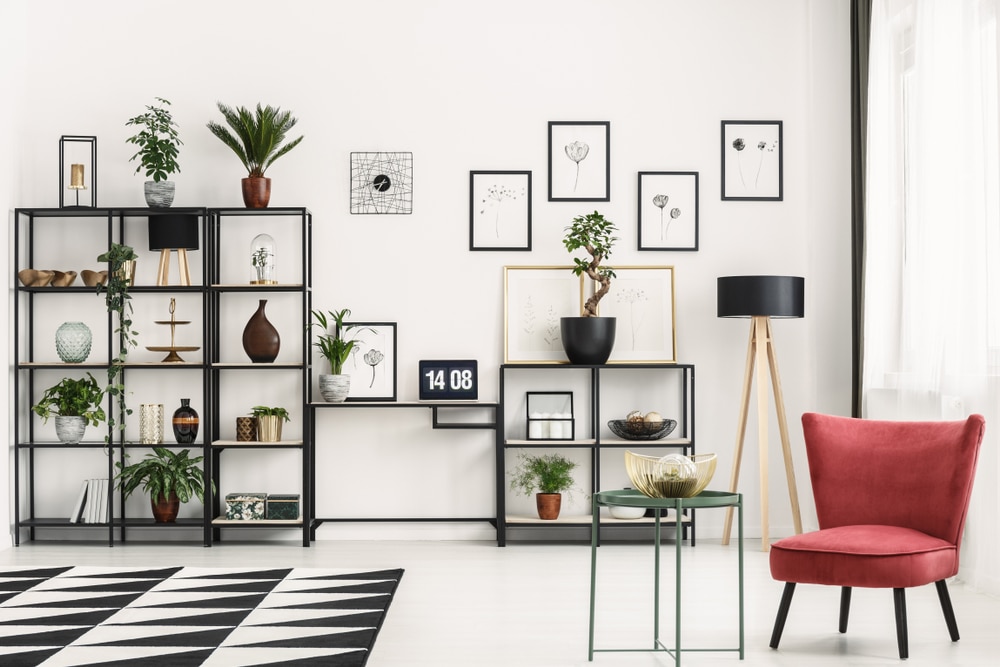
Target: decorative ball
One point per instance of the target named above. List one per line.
(653, 417)
(634, 416)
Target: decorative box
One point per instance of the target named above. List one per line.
(245, 506)
(550, 415)
(283, 506)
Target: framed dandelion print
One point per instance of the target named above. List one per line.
(372, 363)
(499, 210)
(642, 300)
(752, 168)
(579, 160)
(381, 182)
(535, 298)
(668, 210)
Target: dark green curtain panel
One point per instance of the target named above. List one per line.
(861, 14)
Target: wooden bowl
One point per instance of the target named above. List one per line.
(63, 278)
(35, 277)
(94, 278)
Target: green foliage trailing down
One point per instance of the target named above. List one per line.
(119, 302)
(264, 411)
(548, 473)
(336, 349)
(593, 233)
(157, 142)
(256, 138)
(163, 472)
(72, 398)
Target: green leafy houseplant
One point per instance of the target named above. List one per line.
(163, 473)
(157, 142)
(264, 411)
(546, 473)
(256, 138)
(594, 233)
(335, 348)
(72, 398)
(118, 301)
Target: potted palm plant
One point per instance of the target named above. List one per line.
(549, 474)
(170, 478)
(157, 152)
(75, 404)
(589, 339)
(269, 421)
(336, 348)
(256, 138)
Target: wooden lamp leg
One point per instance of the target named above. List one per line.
(182, 266)
(741, 429)
(786, 445)
(164, 270)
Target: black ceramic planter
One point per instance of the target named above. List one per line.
(588, 340)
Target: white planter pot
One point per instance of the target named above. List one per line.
(158, 194)
(334, 388)
(70, 429)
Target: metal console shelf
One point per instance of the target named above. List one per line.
(589, 435)
(437, 408)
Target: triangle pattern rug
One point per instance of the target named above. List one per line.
(179, 616)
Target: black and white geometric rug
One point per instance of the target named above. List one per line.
(178, 616)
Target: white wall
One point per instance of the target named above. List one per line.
(471, 86)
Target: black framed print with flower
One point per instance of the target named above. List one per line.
(668, 210)
(499, 210)
(372, 363)
(752, 165)
(579, 160)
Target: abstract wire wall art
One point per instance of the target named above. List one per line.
(381, 183)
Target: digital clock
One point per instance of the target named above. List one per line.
(449, 380)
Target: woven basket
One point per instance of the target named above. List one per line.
(671, 476)
(642, 430)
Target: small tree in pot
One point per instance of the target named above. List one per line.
(589, 339)
(75, 404)
(170, 478)
(550, 474)
(158, 149)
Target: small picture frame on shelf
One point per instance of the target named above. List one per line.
(535, 298)
(372, 364)
(642, 300)
(549, 415)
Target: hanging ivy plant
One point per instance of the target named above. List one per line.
(119, 302)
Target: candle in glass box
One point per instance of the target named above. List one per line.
(76, 177)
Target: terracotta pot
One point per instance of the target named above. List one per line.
(548, 505)
(165, 509)
(256, 192)
(261, 341)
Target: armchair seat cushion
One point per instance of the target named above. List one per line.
(865, 556)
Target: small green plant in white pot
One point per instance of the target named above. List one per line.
(75, 404)
(548, 474)
(158, 144)
(336, 348)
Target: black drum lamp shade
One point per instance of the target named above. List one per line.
(173, 231)
(771, 296)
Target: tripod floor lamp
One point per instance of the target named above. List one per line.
(761, 298)
(169, 232)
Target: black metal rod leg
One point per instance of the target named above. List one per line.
(779, 621)
(845, 607)
(949, 612)
(899, 601)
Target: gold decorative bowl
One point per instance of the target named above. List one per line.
(670, 476)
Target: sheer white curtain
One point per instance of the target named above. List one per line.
(932, 256)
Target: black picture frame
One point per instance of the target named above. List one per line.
(757, 179)
(579, 160)
(372, 381)
(668, 210)
(500, 210)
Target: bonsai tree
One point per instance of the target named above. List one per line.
(256, 138)
(545, 473)
(72, 398)
(119, 302)
(335, 348)
(164, 475)
(594, 233)
(157, 142)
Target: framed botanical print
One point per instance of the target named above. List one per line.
(752, 164)
(668, 210)
(579, 161)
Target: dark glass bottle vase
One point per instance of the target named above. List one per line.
(185, 423)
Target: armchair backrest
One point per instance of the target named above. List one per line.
(898, 473)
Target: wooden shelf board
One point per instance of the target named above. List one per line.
(587, 520)
(222, 521)
(551, 443)
(257, 443)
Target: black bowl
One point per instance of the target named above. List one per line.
(642, 430)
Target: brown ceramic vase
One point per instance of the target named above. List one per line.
(548, 505)
(165, 509)
(260, 339)
(256, 192)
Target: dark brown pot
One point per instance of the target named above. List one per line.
(260, 339)
(548, 505)
(165, 509)
(256, 192)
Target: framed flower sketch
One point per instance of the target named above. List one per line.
(642, 299)
(668, 210)
(372, 364)
(579, 160)
(499, 210)
(752, 168)
(534, 300)
(381, 182)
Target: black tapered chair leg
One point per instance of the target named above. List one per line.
(899, 601)
(845, 607)
(949, 612)
(779, 621)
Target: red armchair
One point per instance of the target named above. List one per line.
(891, 499)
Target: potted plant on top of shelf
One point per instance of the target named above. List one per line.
(158, 149)
(589, 339)
(170, 478)
(550, 474)
(269, 421)
(336, 348)
(74, 404)
(256, 138)
(121, 275)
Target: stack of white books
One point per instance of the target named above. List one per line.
(92, 502)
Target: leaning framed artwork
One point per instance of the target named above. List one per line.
(535, 298)
(579, 160)
(499, 210)
(668, 210)
(381, 182)
(752, 162)
(642, 300)
(372, 364)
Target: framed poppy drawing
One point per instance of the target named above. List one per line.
(372, 364)
(668, 210)
(499, 210)
(579, 160)
(752, 168)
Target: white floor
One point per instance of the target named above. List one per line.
(527, 605)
